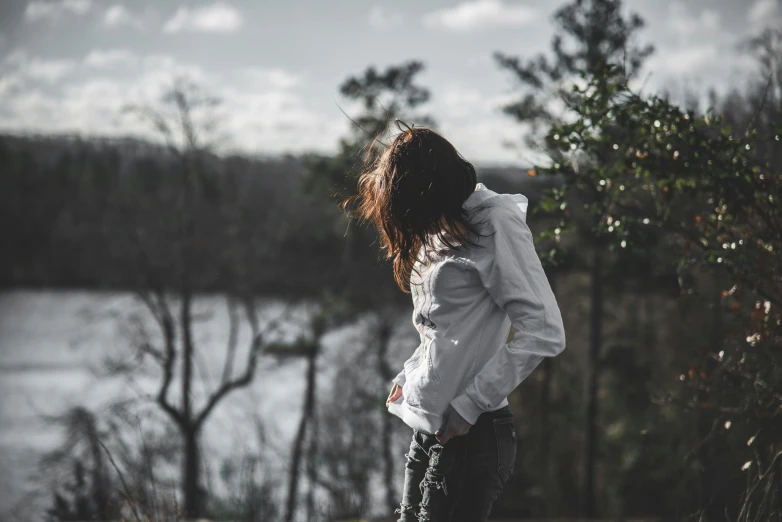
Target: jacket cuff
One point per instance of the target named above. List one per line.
(400, 378)
(467, 408)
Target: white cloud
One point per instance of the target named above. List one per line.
(42, 69)
(217, 17)
(381, 19)
(274, 78)
(764, 13)
(49, 70)
(684, 25)
(697, 53)
(693, 45)
(158, 72)
(278, 121)
(460, 102)
(40, 9)
(261, 110)
(685, 59)
(92, 105)
(10, 86)
(118, 15)
(100, 58)
(472, 120)
(480, 14)
(78, 6)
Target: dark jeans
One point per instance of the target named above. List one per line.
(459, 481)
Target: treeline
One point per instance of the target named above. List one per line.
(102, 213)
(91, 214)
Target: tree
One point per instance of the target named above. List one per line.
(331, 312)
(183, 119)
(712, 193)
(90, 494)
(590, 36)
(383, 96)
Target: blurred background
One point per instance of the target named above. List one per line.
(191, 329)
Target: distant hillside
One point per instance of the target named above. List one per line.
(105, 212)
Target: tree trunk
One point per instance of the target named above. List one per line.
(706, 416)
(545, 412)
(312, 468)
(386, 427)
(301, 434)
(587, 504)
(546, 434)
(193, 495)
(100, 493)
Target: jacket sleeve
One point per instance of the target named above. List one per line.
(400, 379)
(511, 272)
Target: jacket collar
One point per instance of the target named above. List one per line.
(478, 196)
(482, 194)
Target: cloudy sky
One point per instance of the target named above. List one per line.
(71, 65)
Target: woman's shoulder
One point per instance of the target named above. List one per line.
(503, 209)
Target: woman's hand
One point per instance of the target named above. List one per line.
(453, 426)
(396, 392)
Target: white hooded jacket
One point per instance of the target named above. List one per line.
(464, 303)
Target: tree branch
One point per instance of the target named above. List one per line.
(233, 321)
(169, 340)
(257, 346)
(760, 107)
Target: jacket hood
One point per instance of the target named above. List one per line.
(484, 197)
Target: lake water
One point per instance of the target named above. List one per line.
(53, 345)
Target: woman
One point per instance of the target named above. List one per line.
(467, 256)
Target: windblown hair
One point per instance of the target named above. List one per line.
(413, 193)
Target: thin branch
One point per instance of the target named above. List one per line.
(128, 496)
(185, 120)
(159, 122)
(169, 339)
(760, 107)
(761, 477)
(257, 346)
(233, 335)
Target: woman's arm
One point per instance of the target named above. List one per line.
(511, 272)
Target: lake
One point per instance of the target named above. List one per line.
(53, 345)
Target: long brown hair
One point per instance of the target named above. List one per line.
(413, 193)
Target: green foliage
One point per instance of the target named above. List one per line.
(649, 165)
(651, 169)
(384, 96)
(589, 35)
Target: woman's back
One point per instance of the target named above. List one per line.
(461, 325)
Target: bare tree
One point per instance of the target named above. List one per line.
(183, 119)
(81, 447)
(332, 312)
(590, 36)
(385, 329)
(384, 95)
